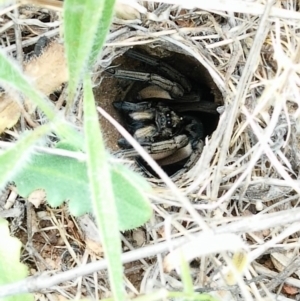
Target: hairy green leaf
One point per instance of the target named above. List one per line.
(102, 195)
(13, 159)
(65, 179)
(85, 28)
(102, 29)
(12, 76)
(129, 189)
(62, 178)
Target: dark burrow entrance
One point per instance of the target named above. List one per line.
(163, 118)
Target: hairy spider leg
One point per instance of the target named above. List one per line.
(127, 106)
(157, 150)
(161, 66)
(137, 116)
(194, 131)
(180, 105)
(175, 89)
(192, 160)
(180, 155)
(197, 106)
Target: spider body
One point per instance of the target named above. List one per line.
(150, 122)
(166, 127)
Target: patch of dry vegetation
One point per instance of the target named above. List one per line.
(246, 182)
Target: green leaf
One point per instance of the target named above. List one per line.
(11, 269)
(12, 76)
(13, 159)
(102, 29)
(186, 276)
(86, 26)
(65, 178)
(129, 189)
(62, 178)
(102, 195)
(73, 14)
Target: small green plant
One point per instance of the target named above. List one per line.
(114, 193)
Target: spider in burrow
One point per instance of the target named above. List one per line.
(163, 116)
